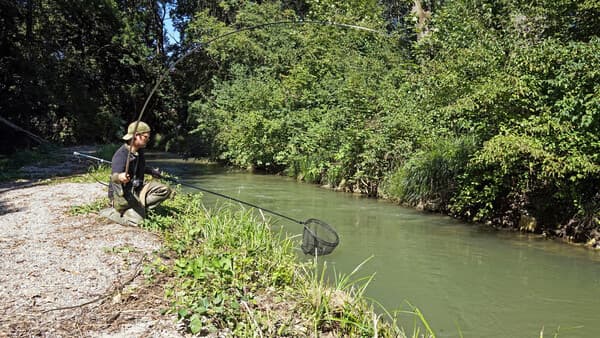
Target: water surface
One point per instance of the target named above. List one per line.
(464, 278)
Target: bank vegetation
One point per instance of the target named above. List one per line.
(485, 110)
(231, 274)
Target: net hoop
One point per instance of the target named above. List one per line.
(318, 238)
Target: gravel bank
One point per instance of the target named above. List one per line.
(50, 260)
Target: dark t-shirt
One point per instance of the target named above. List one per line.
(137, 167)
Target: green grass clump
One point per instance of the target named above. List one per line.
(93, 207)
(233, 274)
(95, 173)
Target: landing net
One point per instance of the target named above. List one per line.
(318, 238)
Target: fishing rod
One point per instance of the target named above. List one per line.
(319, 238)
(75, 153)
(239, 30)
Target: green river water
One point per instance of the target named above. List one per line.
(466, 279)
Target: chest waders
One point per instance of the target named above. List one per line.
(124, 198)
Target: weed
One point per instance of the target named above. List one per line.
(232, 273)
(99, 173)
(126, 249)
(85, 209)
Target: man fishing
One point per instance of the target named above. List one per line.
(130, 197)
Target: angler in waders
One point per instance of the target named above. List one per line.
(130, 197)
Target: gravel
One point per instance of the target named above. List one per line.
(53, 263)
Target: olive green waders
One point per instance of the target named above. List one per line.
(132, 210)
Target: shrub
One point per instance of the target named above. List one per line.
(429, 177)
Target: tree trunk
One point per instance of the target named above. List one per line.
(159, 26)
(29, 21)
(423, 17)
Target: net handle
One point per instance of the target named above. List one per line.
(234, 199)
(305, 223)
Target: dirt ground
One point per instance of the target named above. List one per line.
(64, 275)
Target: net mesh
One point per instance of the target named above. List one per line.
(318, 238)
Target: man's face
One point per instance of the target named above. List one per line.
(142, 139)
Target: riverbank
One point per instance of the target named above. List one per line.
(187, 272)
(66, 274)
(580, 231)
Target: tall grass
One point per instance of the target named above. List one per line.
(233, 274)
(430, 176)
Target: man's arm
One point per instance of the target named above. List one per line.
(118, 174)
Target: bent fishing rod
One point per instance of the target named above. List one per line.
(312, 243)
(239, 30)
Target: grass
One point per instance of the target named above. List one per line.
(85, 209)
(10, 165)
(233, 274)
(96, 173)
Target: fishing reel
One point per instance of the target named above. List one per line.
(136, 183)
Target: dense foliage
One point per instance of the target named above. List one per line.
(76, 71)
(488, 110)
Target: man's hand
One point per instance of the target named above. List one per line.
(123, 178)
(156, 173)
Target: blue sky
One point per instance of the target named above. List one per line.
(172, 34)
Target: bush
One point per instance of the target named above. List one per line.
(543, 167)
(429, 178)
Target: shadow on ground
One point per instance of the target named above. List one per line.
(6, 208)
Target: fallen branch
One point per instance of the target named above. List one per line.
(119, 288)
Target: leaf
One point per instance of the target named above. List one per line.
(195, 324)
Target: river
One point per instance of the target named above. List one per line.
(465, 279)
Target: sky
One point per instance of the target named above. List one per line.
(172, 34)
